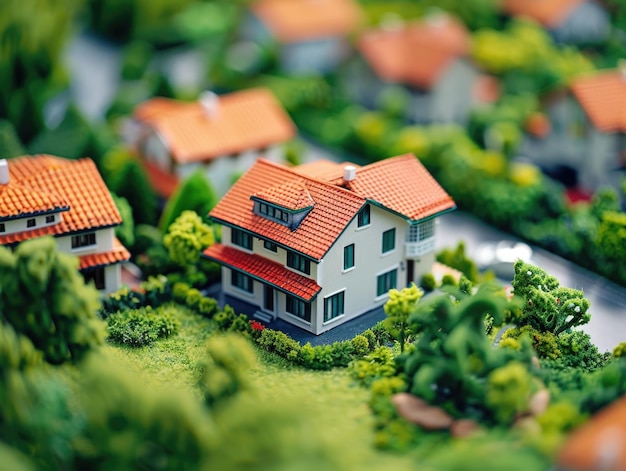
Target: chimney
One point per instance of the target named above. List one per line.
(349, 173)
(210, 103)
(4, 172)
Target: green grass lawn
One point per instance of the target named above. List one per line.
(336, 410)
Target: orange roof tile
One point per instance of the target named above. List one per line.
(79, 183)
(291, 195)
(603, 97)
(598, 443)
(400, 184)
(265, 270)
(117, 255)
(549, 13)
(301, 20)
(248, 119)
(164, 183)
(416, 53)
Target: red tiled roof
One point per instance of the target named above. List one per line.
(117, 255)
(264, 269)
(333, 210)
(79, 183)
(603, 97)
(164, 183)
(300, 20)
(416, 53)
(291, 195)
(400, 184)
(549, 13)
(599, 442)
(244, 120)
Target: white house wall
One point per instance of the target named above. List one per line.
(588, 23)
(112, 277)
(154, 149)
(452, 94)
(20, 225)
(104, 243)
(600, 161)
(318, 56)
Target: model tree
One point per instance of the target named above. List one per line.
(43, 297)
(548, 307)
(400, 305)
(186, 238)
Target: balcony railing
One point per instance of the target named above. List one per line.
(417, 249)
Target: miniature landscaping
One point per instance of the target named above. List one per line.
(463, 373)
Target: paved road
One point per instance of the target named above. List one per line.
(608, 300)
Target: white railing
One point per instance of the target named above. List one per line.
(417, 249)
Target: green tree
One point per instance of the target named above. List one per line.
(44, 297)
(10, 144)
(400, 305)
(125, 232)
(195, 193)
(547, 306)
(186, 238)
(458, 259)
(508, 391)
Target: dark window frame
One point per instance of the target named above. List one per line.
(364, 217)
(386, 281)
(86, 239)
(242, 281)
(298, 262)
(241, 238)
(389, 240)
(298, 307)
(348, 257)
(334, 306)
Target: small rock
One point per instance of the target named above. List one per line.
(463, 427)
(539, 402)
(418, 412)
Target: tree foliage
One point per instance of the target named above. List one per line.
(43, 296)
(457, 258)
(400, 305)
(186, 238)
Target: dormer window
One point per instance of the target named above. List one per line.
(287, 204)
(2, 227)
(50, 219)
(31, 222)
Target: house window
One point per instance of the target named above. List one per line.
(2, 227)
(97, 276)
(333, 306)
(363, 218)
(271, 246)
(31, 222)
(273, 212)
(50, 219)
(389, 240)
(83, 240)
(299, 262)
(386, 281)
(241, 281)
(240, 238)
(348, 257)
(298, 308)
(422, 231)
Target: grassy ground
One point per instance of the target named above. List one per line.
(335, 408)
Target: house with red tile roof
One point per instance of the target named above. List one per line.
(44, 195)
(427, 58)
(222, 134)
(322, 243)
(309, 36)
(568, 21)
(587, 130)
(598, 444)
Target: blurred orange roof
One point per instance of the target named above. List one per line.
(95, 260)
(301, 20)
(45, 184)
(415, 53)
(599, 444)
(603, 97)
(244, 120)
(549, 13)
(400, 184)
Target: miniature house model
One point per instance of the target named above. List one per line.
(311, 35)
(320, 244)
(44, 195)
(429, 58)
(568, 21)
(223, 135)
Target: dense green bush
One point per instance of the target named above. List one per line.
(143, 326)
(428, 282)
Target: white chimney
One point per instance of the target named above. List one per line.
(210, 103)
(349, 173)
(4, 172)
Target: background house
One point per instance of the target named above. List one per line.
(310, 36)
(224, 134)
(568, 21)
(587, 130)
(44, 195)
(322, 243)
(428, 58)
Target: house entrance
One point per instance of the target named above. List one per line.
(268, 298)
(410, 271)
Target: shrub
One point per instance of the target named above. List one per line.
(179, 292)
(620, 350)
(360, 345)
(428, 282)
(225, 318)
(140, 327)
(208, 307)
(378, 364)
(192, 300)
(448, 280)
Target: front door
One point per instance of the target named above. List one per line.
(410, 272)
(268, 298)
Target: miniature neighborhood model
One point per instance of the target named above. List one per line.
(222, 134)
(322, 243)
(45, 195)
(310, 36)
(428, 59)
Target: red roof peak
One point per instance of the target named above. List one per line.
(292, 195)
